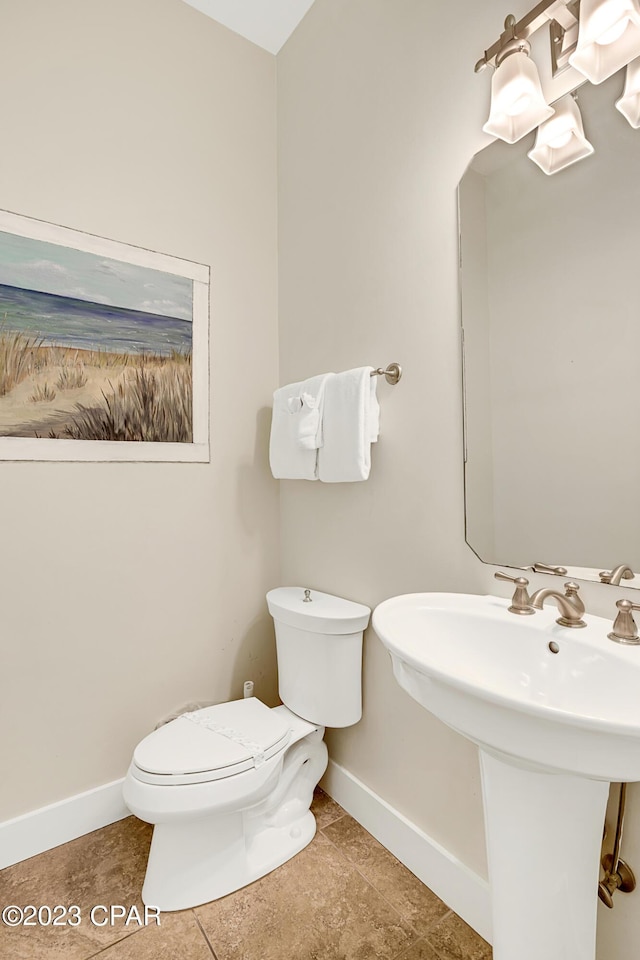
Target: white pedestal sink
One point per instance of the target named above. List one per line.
(554, 727)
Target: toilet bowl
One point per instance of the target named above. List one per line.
(228, 788)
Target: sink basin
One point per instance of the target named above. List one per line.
(491, 675)
(555, 712)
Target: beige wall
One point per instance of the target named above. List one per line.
(379, 112)
(378, 115)
(128, 590)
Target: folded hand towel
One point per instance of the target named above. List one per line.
(351, 425)
(309, 420)
(296, 429)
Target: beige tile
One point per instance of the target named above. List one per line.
(105, 867)
(314, 907)
(420, 950)
(179, 935)
(415, 902)
(324, 809)
(452, 939)
(343, 898)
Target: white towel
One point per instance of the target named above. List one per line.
(296, 429)
(351, 425)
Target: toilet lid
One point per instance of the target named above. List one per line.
(212, 743)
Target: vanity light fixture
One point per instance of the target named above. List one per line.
(629, 102)
(560, 141)
(608, 38)
(596, 37)
(517, 101)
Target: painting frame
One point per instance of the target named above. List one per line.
(43, 448)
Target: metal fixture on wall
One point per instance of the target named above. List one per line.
(561, 15)
(392, 373)
(596, 38)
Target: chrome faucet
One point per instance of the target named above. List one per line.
(569, 604)
(622, 572)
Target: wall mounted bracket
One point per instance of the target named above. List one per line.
(562, 15)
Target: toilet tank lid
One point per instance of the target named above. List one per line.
(323, 614)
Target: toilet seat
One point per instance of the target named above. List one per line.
(211, 744)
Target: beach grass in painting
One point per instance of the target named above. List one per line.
(152, 403)
(67, 393)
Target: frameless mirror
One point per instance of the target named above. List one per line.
(550, 272)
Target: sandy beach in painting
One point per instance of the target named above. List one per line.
(92, 348)
(66, 393)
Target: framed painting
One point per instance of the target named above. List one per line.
(104, 348)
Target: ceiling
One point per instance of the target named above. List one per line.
(269, 23)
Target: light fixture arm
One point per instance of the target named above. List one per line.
(563, 12)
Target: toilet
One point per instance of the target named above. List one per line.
(228, 788)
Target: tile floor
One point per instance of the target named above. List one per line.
(344, 897)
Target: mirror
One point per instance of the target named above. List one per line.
(550, 270)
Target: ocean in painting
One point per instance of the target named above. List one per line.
(83, 325)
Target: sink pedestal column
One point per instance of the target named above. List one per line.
(544, 835)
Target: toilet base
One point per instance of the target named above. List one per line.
(196, 861)
(206, 876)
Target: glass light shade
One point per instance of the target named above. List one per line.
(608, 37)
(629, 102)
(560, 141)
(517, 101)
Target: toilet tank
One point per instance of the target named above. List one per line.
(319, 647)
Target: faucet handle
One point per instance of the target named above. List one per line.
(625, 629)
(521, 601)
(548, 568)
(571, 591)
(499, 575)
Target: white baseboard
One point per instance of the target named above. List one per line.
(60, 822)
(460, 888)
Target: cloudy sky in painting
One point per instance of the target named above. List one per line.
(49, 268)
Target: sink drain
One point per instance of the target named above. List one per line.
(554, 647)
